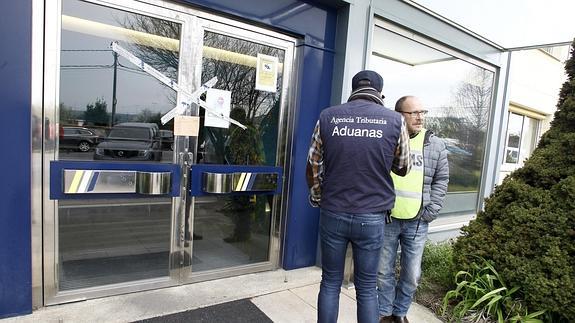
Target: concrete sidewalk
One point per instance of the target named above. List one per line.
(284, 296)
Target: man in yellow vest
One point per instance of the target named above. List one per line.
(419, 197)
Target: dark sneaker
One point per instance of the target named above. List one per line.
(386, 319)
(400, 319)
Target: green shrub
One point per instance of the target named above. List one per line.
(481, 295)
(527, 230)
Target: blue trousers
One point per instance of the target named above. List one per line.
(395, 297)
(365, 233)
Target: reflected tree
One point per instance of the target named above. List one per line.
(148, 116)
(446, 127)
(96, 113)
(260, 107)
(239, 78)
(473, 99)
(67, 116)
(463, 126)
(162, 54)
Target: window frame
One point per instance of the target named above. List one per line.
(380, 22)
(506, 166)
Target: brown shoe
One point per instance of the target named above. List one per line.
(400, 319)
(386, 319)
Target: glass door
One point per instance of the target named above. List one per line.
(120, 214)
(109, 111)
(108, 232)
(235, 230)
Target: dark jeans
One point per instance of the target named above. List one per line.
(365, 233)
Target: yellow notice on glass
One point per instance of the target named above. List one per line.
(266, 73)
(186, 126)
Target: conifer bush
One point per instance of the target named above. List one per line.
(527, 229)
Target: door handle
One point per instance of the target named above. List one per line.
(153, 183)
(217, 183)
(225, 183)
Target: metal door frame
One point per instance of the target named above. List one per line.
(219, 25)
(46, 40)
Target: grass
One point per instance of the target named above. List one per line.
(437, 275)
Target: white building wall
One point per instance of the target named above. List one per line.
(535, 80)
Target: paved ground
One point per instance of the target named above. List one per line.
(283, 296)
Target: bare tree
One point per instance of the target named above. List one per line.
(473, 99)
(162, 59)
(238, 78)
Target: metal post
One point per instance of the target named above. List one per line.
(114, 101)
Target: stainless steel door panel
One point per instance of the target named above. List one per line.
(88, 181)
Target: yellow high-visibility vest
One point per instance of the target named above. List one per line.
(409, 189)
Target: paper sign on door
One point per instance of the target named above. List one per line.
(266, 73)
(186, 126)
(218, 100)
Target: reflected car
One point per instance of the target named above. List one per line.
(78, 138)
(167, 139)
(452, 149)
(130, 141)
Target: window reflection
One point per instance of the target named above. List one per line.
(259, 110)
(458, 96)
(100, 90)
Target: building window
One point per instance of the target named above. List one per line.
(522, 137)
(457, 91)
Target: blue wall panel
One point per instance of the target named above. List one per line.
(302, 220)
(15, 77)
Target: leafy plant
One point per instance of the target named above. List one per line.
(482, 294)
(528, 318)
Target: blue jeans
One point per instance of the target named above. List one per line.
(365, 232)
(395, 298)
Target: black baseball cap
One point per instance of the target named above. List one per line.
(367, 79)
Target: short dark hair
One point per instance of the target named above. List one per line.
(399, 103)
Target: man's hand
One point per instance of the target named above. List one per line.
(313, 201)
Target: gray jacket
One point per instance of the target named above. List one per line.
(436, 176)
